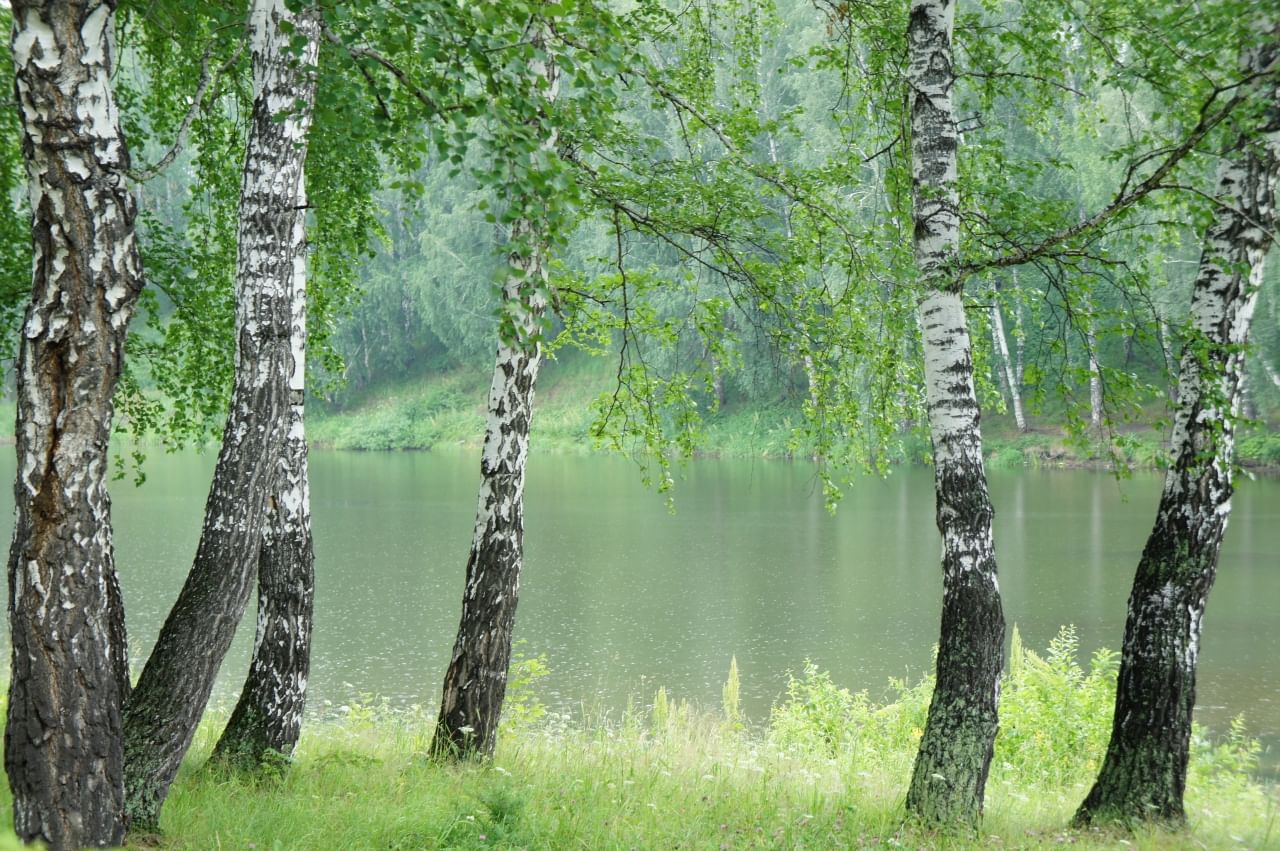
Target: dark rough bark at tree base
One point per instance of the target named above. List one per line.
(268, 716)
(1144, 774)
(950, 773)
(69, 669)
(171, 695)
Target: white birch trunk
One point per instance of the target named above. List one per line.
(1271, 372)
(1095, 378)
(1143, 776)
(1170, 362)
(171, 695)
(1020, 332)
(267, 719)
(955, 751)
(476, 680)
(69, 672)
(1011, 385)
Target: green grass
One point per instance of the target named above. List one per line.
(827, 770)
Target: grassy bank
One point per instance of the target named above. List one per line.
(439, 411)
(828, 770)
(449, 411)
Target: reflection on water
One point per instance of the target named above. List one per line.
(623, 596)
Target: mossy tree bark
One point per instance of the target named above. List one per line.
(475, 682)
(951, 766)
(69, 672)
(164, 709)
(1144, 773)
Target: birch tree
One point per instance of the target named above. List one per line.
(69, 671)
(1010, 370)
(476, 679)
(171, 694)
(951, 766)
(1143, 775)
(268, 716)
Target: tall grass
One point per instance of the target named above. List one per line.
(827, 770)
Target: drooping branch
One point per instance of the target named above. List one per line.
(207, 78)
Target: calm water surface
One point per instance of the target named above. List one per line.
(623, 596)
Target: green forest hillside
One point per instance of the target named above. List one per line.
(445, 410)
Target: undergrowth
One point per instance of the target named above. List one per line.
(827, 770)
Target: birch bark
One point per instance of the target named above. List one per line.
(1007, 374)
(1095, 377)
(1143, 775)
(955, 751)
(69, 671)
(475, 683)
(268, 716)
(162, 714)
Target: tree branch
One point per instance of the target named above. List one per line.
(206, 79)
(1127, 195)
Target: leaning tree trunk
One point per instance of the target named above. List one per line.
(1271, 372)
(268, 717)
(1144, 773)
(476, 680)
(1010, 381)
(955, 751)
(69, 670)
(475, 683)
(171, 695)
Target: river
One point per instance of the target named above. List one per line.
(622, 595)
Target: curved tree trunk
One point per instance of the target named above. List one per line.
(955, 751)
(476, 680)
(1145, 770)
(171, 695)
(268, 717)
(475, 683)
(69, 670)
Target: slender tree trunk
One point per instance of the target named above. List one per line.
(1010, 381)
(1095, 380)
(475, 683)
(1248, 404)
(268, 717)
(1170, 363)
(1271, 372)
(1020, 333)
(1144, 773)
(171, 695)
(955, 751)
(69, 670)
